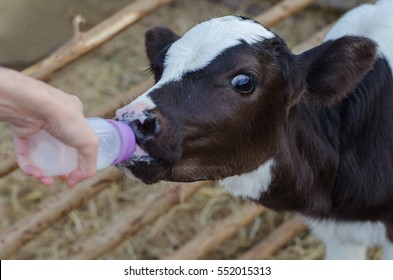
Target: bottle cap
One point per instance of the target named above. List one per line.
(127, 139)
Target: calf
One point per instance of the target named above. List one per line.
(310, 133)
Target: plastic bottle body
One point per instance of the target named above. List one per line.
(109, 144)
(50, 155)
(54, 158)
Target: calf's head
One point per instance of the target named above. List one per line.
(223, 95)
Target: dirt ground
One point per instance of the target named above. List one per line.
(112, 70)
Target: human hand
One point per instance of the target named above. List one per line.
(30, 105)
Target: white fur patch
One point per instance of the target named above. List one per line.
(371, 21)
(250, 185)
(204, 42)
(135, 110)
(365, 233)
(349, 240)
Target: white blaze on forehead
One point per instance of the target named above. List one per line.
(201, 44)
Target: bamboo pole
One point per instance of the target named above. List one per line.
(51, 210)
(216, 234)
(83, 42)
(131, 221)
(7, 166)
(276, 239)
(281, 11)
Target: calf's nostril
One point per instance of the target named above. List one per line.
(148, 128)
(150, 125)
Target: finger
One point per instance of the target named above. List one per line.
(75, 177)
(47, 181)
(21, 145)
(22, 158)
(31, 170)
(21, 150)
(64, 177)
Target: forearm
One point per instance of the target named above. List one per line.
(22, 99)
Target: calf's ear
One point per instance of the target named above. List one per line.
(335, 68)
(156, 39)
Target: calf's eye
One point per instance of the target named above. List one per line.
(243, 84)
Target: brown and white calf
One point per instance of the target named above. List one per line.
(310, 133)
